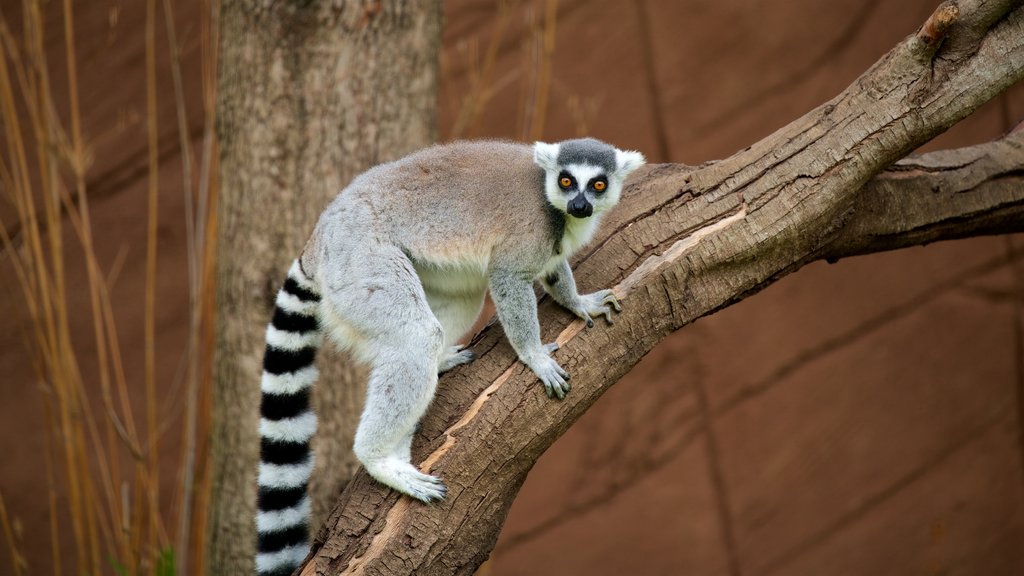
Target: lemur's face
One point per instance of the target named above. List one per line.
(584, 177)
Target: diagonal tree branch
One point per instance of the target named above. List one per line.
(692, 240)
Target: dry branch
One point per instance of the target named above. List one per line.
(691, 240)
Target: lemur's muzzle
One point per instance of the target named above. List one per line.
(579, 207)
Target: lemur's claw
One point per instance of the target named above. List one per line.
(610, 298)
(455, 355)
(553, 376)
(407, 479)
(600, 303)
(558, 392)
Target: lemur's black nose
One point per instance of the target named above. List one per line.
(579, 207)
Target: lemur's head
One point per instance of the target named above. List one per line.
(584, 176)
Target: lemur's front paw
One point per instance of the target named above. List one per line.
(553, 376)
(600, 303)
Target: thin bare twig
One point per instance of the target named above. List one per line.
(17, 558)
(152, 222)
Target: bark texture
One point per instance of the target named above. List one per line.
(311, 94)
(688, 241)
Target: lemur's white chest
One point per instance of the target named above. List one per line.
(453, 278)
(578, 231)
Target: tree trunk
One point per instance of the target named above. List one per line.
(687, 242)
(311, 94)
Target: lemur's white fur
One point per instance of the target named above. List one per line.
(288, 475)
(298, 429)
(288, 517)
(285, 559)
(289, 383)
(290, 340)
(396, 271)
(628, 161)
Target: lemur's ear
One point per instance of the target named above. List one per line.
(627, 161)
(545, 155)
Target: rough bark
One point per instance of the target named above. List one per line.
(311, 94)
(688, 241)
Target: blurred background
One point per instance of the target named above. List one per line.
(863, 417)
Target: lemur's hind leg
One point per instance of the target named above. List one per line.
(385, 309)
(401, 386)
(457, 313)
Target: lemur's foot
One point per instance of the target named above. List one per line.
(455, 356)
(553, 376)
(405, 478)
(600, 303)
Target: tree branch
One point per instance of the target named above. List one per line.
(689, 241)
(939, 196)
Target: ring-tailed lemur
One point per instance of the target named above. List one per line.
(396, 271)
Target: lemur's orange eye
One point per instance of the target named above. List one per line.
(600, 185)
(565, 181)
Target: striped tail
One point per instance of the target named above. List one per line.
(287, 424)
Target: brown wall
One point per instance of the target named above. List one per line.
(856, 418)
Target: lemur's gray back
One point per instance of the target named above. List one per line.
(442, 205)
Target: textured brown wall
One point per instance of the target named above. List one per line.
(862, 417)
